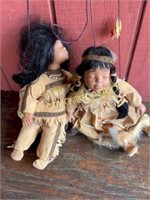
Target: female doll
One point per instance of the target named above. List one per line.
(105, 108)
(43, 57)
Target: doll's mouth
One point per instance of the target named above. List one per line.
(98, 88)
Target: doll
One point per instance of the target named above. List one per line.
(44, 82)
(108, 110)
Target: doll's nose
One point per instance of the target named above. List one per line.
(58, 43)
(99, 80)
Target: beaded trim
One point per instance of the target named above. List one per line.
(54, 74)
(99, 58)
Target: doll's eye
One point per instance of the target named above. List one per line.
(92, 77)
(106, 77)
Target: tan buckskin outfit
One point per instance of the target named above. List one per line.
(96, 115)
(45, 98)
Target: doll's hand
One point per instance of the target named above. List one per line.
(28, 119)
(71, 117)
(141, 109)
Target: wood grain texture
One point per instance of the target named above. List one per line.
(82, 171)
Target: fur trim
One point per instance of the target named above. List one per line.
(128, 138)
(146, 130)
(107, 142)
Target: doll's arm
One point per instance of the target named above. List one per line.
(131, 94)
(141, 109)
(29, 97)
(71, 117)
(71, 107)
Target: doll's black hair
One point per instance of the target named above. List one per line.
(94, 64)
(36, 50)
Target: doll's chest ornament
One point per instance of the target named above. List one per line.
(100, 102)
(55, 90)
(54, 74)
(55, 80)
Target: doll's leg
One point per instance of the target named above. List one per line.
(48, 149)
(101, 139)
(134, 134)
(26, 137)
(128, 143)
(142, 125)
(126, 140)
(88, 131)
(146, 128)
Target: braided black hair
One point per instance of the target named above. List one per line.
(36, 50)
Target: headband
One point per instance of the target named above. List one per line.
(99, 58)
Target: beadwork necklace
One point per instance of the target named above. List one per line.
(54, 74)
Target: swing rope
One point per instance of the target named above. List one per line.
(83, 30)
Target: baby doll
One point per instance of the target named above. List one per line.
(43, 57)
(108, 110)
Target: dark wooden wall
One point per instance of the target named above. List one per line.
(71, 15)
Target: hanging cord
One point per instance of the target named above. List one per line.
(52, 11)
(76, 39)
(93, 29)
(119, 43)
(28, 21)
(137, 33)
(6, 77)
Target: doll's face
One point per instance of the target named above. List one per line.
(60, 53)
(98, 79)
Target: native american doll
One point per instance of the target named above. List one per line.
(108, 110)
(44, 82)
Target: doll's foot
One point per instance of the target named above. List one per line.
(147, 130)
(41, 164)
(71, 131)
(131, 150)
(17, 154)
